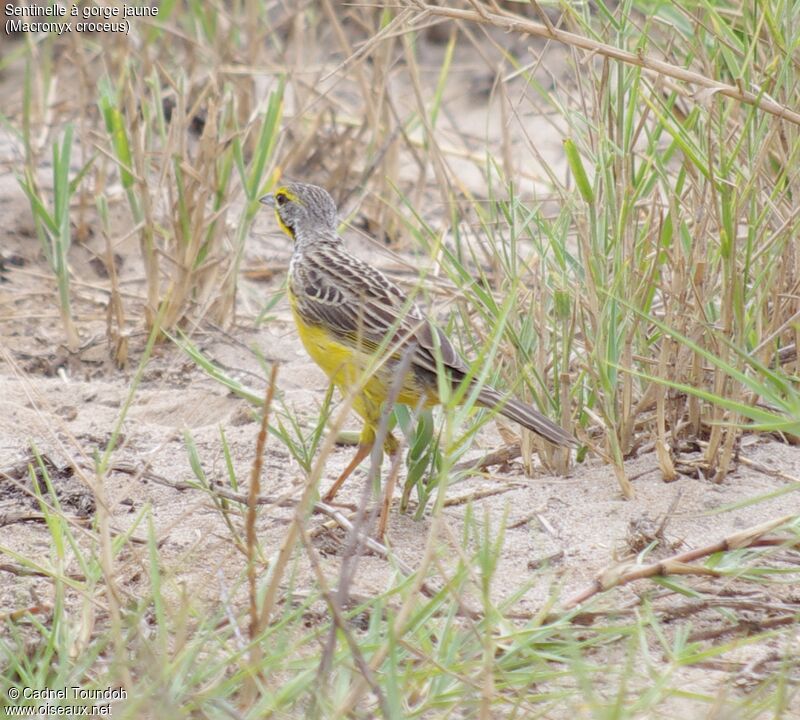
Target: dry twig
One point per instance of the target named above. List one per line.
(511, 23)
(679, 564)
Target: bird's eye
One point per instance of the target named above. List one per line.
(281, 199)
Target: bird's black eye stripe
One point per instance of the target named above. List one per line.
(281, 199)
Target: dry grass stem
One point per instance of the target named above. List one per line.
(679, 564)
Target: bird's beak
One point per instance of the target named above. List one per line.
(267, 200)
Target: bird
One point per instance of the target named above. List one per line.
(358, 326)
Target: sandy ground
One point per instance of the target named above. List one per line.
(562, 530)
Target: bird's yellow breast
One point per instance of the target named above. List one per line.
(347, 366)
(339, 361)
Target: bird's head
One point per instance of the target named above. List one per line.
(302, 208)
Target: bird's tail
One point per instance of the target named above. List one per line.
(526, 416)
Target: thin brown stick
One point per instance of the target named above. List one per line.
(481, 494)
(679, 564)
(10, 518)
(771, 472)
(747, 625)
(16, 615)
(501, 456)
(252, 495)
(256, 618)
(512, 23)
(21, 571)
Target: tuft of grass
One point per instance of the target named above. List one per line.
(199, 280)
(54, 224)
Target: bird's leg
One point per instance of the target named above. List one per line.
(392, 447)
(361, 453)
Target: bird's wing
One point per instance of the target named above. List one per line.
(359, 303)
